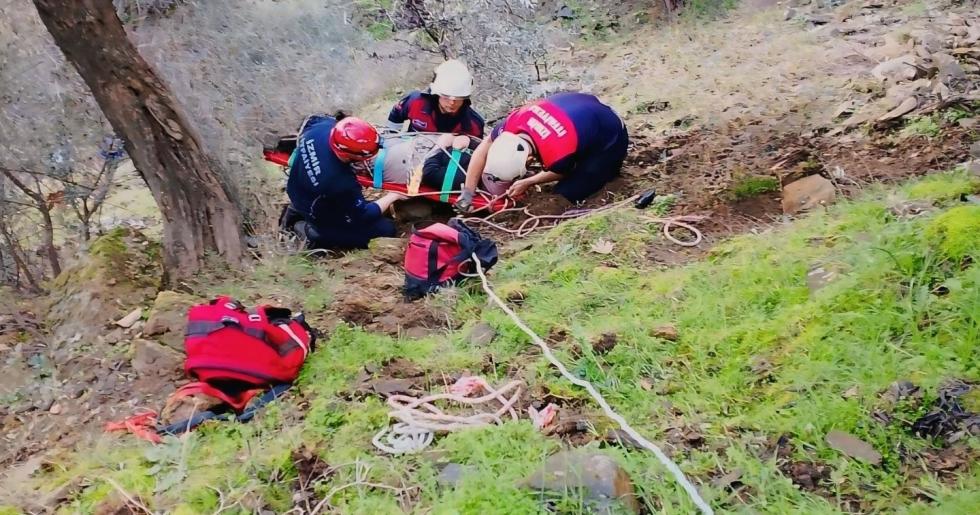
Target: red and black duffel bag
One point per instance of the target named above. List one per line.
(235, 355)
(233, 351)
(441, 254)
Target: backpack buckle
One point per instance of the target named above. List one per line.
(254, 317)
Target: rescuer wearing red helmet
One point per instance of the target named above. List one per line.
(322, 187)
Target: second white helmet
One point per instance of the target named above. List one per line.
(452, 79)
(507, 157)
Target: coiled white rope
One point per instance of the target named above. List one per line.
(606, 408)
(403, 439)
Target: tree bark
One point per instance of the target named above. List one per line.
(48, 241)
(199, 211)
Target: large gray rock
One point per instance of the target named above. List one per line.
(168, 318)
(599, 479)
(150, 357)
(807, 193)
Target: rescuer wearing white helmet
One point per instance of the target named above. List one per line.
(444, 107)
(580, 142)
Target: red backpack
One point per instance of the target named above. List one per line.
(441, 254)
(235, 352)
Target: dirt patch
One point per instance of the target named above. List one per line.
(398, 376)
(572, 427)
(310, 469)
(372, 298)
(605, 343)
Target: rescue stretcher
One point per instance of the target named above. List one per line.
(280, 154)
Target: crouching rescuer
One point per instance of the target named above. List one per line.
(580, 142)
(323, 190)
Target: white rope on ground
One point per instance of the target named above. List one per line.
(606, 408)
(403, 439)
(419, 418)
(424, 414)
(534, 221)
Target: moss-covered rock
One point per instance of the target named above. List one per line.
(956, 232)
(945, 186)
(122, 269)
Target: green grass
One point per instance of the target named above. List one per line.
(926, 126)
(707, 9)
(373, 17)
(747, 303)
(753, 186)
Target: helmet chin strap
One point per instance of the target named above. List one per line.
(527, 139)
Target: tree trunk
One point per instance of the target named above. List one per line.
(47, 240)
(199, 212)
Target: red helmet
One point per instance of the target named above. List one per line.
(354, 139)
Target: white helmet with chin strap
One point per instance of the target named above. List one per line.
(506, 162)
(452, 79)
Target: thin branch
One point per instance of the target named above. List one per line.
(129, 498)
(35, 196)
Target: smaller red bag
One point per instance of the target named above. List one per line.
(440, 254)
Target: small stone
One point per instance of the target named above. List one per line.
(969, 123)
(818, 19)
(453, 473)
(481, 334)
(598, 476)
(898, 69)
(113, 337)
(565, 12)
(900, 390)
(388, 387)
(666, 332)
(130, 319)
(414, 333)
(949, 67)
(621, 438)
(818, 277)
(853, 447)
(789, 14)
(851, 392)
(975, 150)
(807, 193)
(728, 479)
(55, 409)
